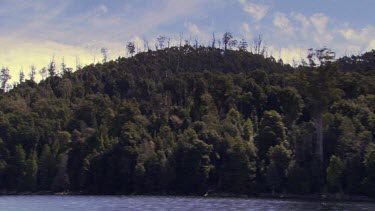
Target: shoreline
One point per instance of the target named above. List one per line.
(309, 197)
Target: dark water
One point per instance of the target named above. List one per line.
(112, 203)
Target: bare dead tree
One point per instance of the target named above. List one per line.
(63, 66)
(43, 72)
(161, 40)
(104, 52)
(22, 76)
(188, 41)
(303, 62)
(138, 48)
(259, 46)
(196, 43)
(168, 42)
(181, 38)
(226, 39)
(4, 77)
(232, 43)
(242, 45)
(264, 51)
(130, 47)
(32, 73)
(213, 43)
(146, 47)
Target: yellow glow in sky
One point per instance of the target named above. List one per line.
(17, 55)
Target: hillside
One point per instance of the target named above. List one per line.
(190, 121)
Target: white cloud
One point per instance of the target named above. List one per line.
(301, 18)
(360, 35)
(139, 43)
(36, 41)
(316, 31)
(257, 11)
(282, 22)
(348, 34)
(321, 36)
(371, 45)
(320, 21)
(85, 32)
(193, 29)
(288, 54)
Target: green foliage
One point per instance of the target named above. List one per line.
(369, 181)
(193, 120)
(20, 165)
(271, 132)
(248, 130)
(277, 170)
(239, 166)
(3, 168)
(61, 180)
(31, 172)
(192, 163)
(335, 171)
(347, 145)
(47, 168)
(298, 179)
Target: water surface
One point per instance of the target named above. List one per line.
(117, 203)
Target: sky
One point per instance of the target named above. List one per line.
(39, 31)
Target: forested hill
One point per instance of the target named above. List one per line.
(191, 121)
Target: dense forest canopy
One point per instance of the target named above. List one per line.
(192, 120)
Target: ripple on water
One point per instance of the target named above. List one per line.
(119, 203)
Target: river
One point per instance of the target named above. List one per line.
(119, 203)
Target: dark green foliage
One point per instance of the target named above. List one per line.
(47, 168)
(19, 166)
(277, 170)
(192, 163)
(271, 132)
(239, 166)
(335, 172)
(298, 179)
(61, 180)
(192, 120)
(31, 172)
(369, 181)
